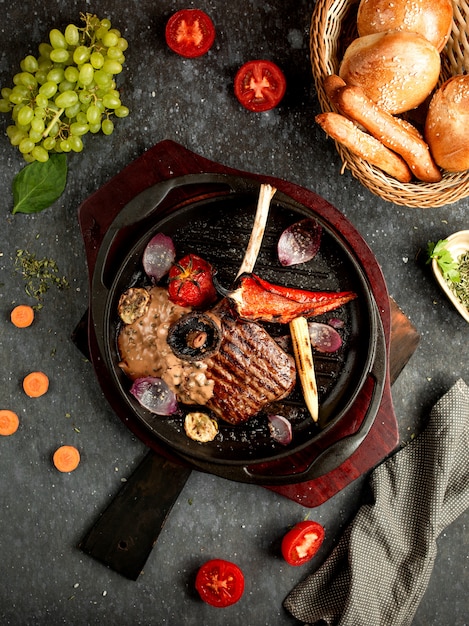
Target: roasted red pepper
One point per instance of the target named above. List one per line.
(257, 299)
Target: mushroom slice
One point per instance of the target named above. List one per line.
(195, 336)
(200, 427)
(133, 304)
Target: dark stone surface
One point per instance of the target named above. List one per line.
(45, 578)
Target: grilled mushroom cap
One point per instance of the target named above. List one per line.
(195, 336)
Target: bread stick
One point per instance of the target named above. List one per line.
(354, 104)
(332, 84)
(364, 145)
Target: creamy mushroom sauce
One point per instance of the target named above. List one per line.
(144, 351)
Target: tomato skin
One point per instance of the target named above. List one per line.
(220, 583)
(301, 543)
(259, 85)
(190, 33)
(191, 282)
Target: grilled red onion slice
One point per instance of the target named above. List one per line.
(155, 395)
(280, 429)
(299, 242)
(323, 337)
(158, 256)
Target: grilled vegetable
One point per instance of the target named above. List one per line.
(195, 336)
(304, 364)
(200, 427)
(191, 282)
(257, 299)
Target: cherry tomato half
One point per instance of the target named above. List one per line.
(220, 583)
(259, 85)
(190, 33)
(302, 542)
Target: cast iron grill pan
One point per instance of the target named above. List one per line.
(217, 226)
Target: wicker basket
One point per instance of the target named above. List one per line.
(333, 27)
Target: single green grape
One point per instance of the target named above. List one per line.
(112, 67)
(40, 154)
(111, 101)
(41, 76)
(86, 74)
(41, 101)
(25, 115)
(56, 75)
(48, 89)
(60, 55)
(76, 143)
(72, 35)
(37, 124)
(73, 110)
(57, 39)
(93, 114)
(65, 145)
(107, 127)
(71, 74)
(97, 60)
(121, 111)
(35, 136)
(95, 128)
(45, 50)
(66, 85)
(79, 129)
(103, 79)
(49, 143)
(5, 105)
(122, 44)
(29, 64)
(110, 39)
(81, 54)
(26, 145)
(66, 99)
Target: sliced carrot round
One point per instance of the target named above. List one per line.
(22, 316)
(66, 458)
(35, 384)
(9, 422)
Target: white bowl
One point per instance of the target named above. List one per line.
(458, 244)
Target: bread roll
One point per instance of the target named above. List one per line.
(396, 69)
(430, 18)
(447, 124)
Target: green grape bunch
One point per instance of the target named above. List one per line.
(68, 90)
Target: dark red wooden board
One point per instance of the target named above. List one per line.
(166, 160)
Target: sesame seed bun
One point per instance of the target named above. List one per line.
(430, 18)
(447, 124)
(396, 69)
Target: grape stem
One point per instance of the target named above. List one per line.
(52, 122)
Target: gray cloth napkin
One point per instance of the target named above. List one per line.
(379, 570)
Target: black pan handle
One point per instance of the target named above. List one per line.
(148, 202)
(332, 457)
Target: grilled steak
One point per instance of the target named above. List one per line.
(249, 371)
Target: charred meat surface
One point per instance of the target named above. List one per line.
(249, 371)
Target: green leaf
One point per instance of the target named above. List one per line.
(38, 185)
(448, 266)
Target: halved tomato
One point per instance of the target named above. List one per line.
(302, 542)
(190, 32)
(259, 85)
(220, 583)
